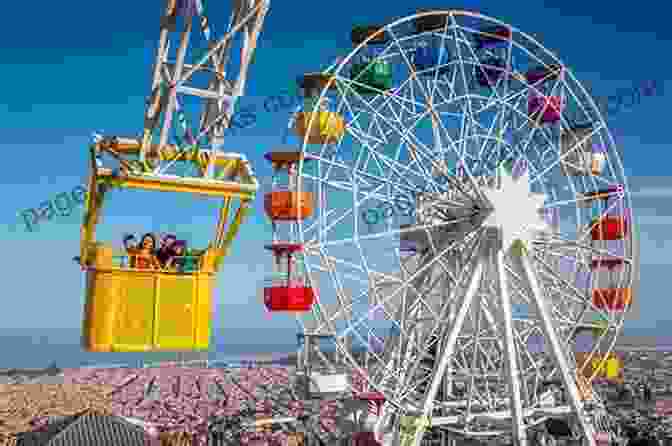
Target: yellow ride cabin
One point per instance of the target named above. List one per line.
(128, 309)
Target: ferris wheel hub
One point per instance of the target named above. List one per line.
(514, 211)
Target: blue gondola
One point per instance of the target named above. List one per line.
(431, 55)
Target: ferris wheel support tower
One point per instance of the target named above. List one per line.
(171, 78)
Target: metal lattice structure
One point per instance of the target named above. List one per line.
(491, 236)
(225, 84)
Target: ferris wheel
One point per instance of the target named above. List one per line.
(465, 232)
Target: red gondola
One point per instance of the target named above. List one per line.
(609, 227)
(611, 222)
(287, 289)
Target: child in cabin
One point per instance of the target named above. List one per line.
(129, 243)
(143, 254)
(128, 238)
(166, 250)
(182, 261)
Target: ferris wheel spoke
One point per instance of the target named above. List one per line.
(404, 135)
(435, 80)
(409, 65)
(388, 100)
(458, 39)
(505, 99)
(475, 58)
(586, 248)
(571, 291)
(486, 139)
(468, 123)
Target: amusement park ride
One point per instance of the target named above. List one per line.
(456, 315)
(128, 308)
(495, 273)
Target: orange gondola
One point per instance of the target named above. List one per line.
(285, 202)
(611, 297)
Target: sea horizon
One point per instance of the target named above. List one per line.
(31, 348)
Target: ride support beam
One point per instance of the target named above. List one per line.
(557, 352)
(451, 341)
(518, 429)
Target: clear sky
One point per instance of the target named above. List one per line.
(68, 71)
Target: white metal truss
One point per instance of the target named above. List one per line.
(216, 77)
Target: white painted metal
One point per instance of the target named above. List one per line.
(225, 85)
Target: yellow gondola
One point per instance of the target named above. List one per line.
(318, 127)
(139, 310)
(145, 305)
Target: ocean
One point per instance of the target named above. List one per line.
(40, 348)
(37, 349)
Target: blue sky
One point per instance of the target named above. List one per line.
(68, 72)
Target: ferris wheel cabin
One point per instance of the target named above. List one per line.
(285, 201)
(154, 308)
(608, 367)
(542, 106)
(579, 156)
(431, 55)
(287, 289)
(323, 126)
(370, 74)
